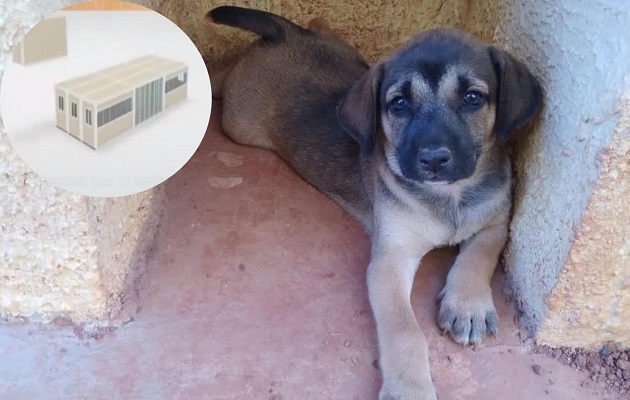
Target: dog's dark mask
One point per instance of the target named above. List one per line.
(440, 102)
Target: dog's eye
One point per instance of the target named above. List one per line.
(473, 98)
(399, 103)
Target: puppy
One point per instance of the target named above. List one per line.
(413, 147)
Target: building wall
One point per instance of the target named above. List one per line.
(109, 131)
(45, 41)
(176, 95)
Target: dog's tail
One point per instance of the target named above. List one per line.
(271, 27)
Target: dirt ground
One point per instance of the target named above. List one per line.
(609, 365)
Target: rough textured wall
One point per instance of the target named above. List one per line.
(358, 21)
(591, 303)
(581, 51)
(60, 253)
(479, 17)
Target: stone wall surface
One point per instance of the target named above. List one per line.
(568, 254)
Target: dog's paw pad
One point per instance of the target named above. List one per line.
(468, 319)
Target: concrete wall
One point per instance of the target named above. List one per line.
(61, 254)
(591, 301)
(568, 254)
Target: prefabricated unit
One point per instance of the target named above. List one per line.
(46, 40)
(97, 107)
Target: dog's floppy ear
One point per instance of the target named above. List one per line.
(519, 95)
(358, 111)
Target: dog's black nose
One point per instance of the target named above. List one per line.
(434, 160)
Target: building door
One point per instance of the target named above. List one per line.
(148, 100)
(62, 120)
(88, 127)
(74, 124)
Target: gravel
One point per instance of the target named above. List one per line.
(610, 365)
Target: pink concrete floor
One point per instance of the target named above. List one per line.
(256, 290)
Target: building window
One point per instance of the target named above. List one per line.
(88, 117)
(148, 100)
(73, 109)
(176, 82)
(114, 112)
(60, 103)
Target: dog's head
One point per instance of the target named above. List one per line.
(441, 102)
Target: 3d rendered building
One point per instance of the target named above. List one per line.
(46, 40)
(97, 107)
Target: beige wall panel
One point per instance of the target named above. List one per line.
(175, 95)
(45, 41)
(109, 131)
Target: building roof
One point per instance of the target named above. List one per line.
(111, 82)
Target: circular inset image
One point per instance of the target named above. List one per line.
(105, 103)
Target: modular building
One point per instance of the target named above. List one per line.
(45, 41)
(97, 107)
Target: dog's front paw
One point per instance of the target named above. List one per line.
(407, 392)
(468, 314)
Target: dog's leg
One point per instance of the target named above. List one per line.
(467, 310)
(404, 352)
